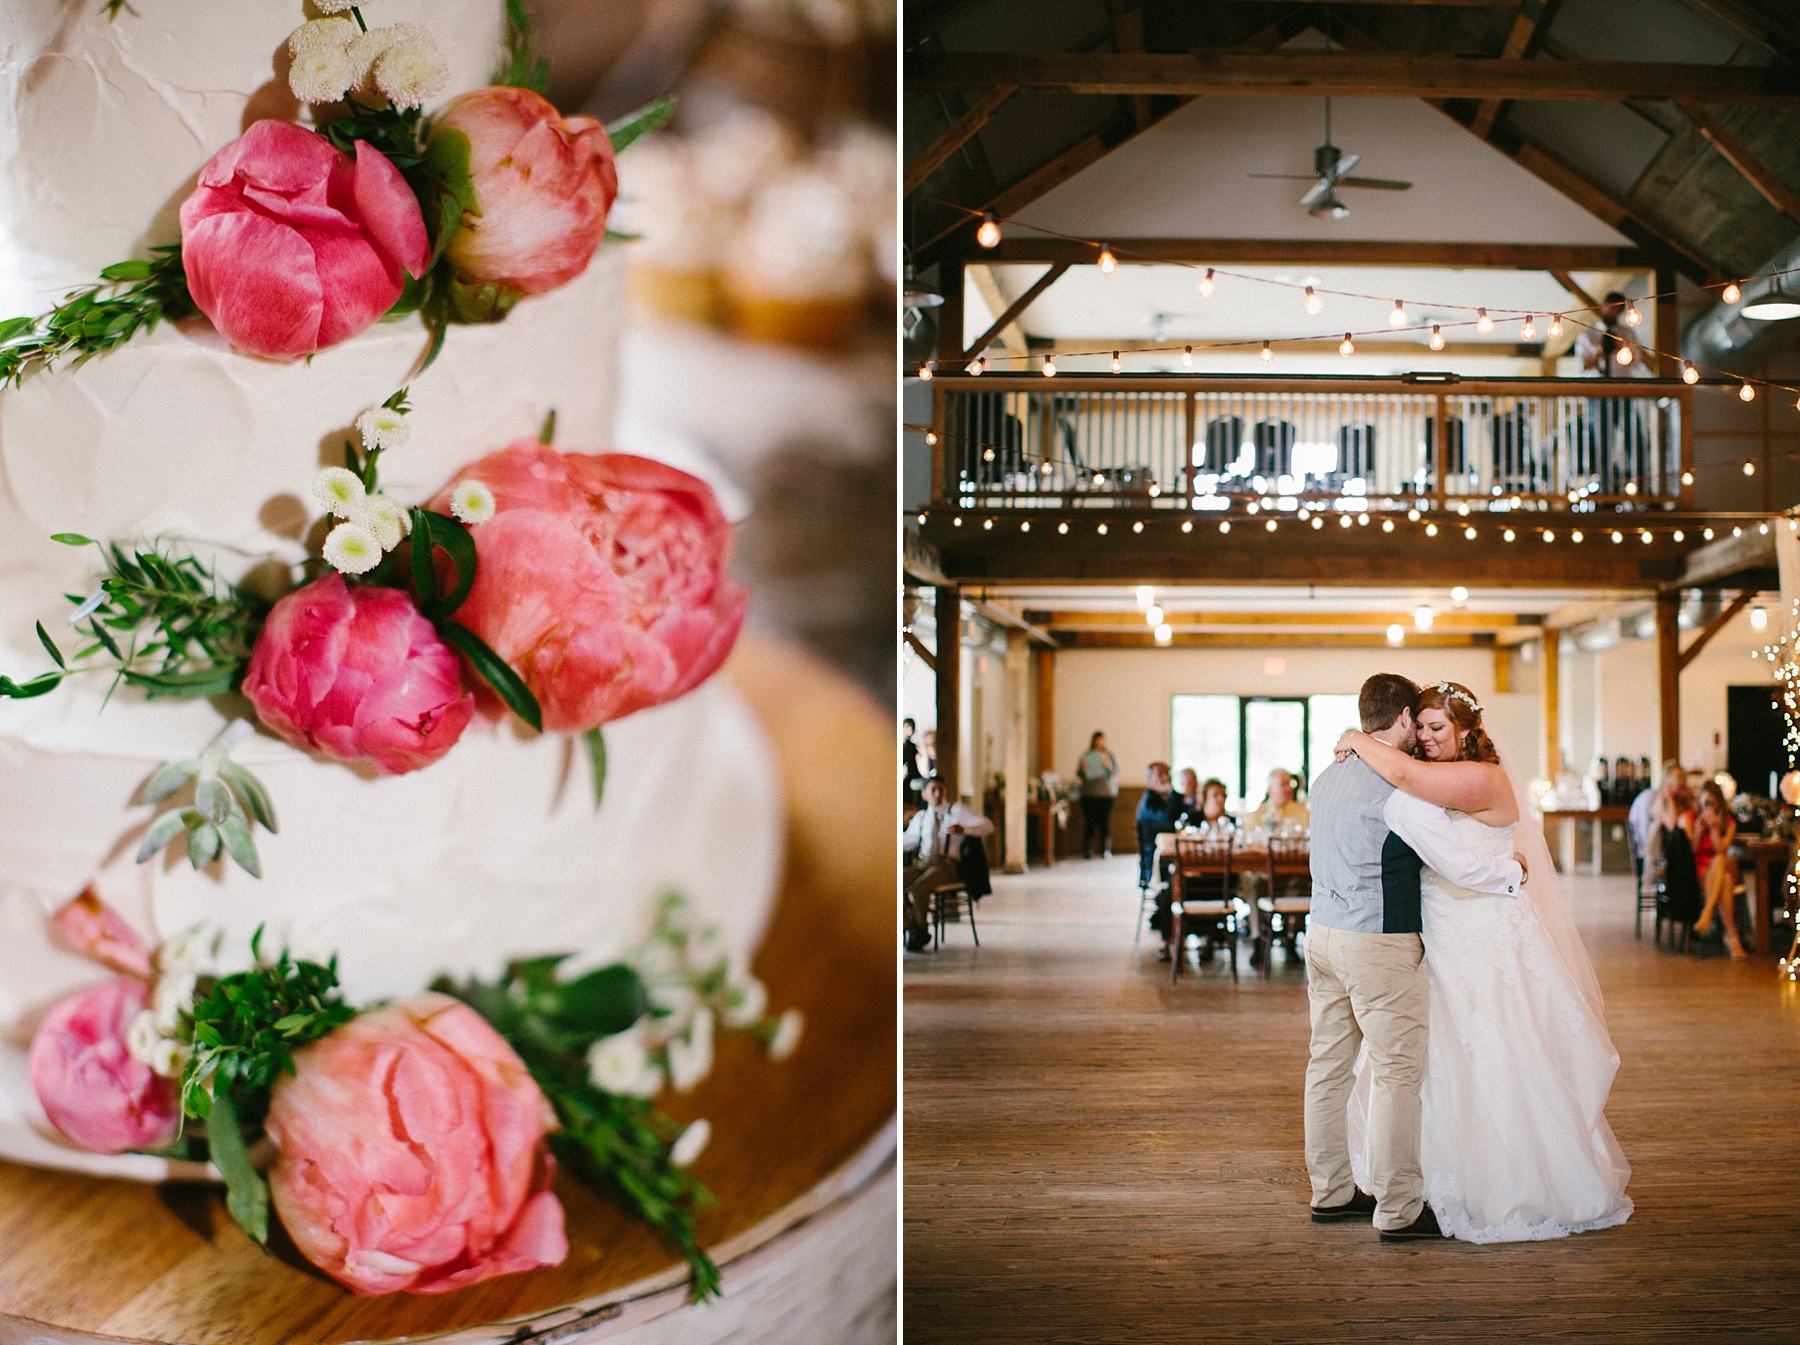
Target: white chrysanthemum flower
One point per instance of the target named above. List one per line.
(321, 74)
(690, 1143)
(174, 996)
(745, 1002)
(411, 71)
(620, 1064)
(336, 6)
(472, 502)
(141, 1037)
(787, 1035)
(311, 36)
(186, 950)
(691, 1059)
(367, 48)
(678, 1000)
(384, 518)
(352, 549)
(383, 427)
(339, 489)
(171, 1058)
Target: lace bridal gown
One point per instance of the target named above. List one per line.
(1515, 1145)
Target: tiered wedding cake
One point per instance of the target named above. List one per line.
(495, 851)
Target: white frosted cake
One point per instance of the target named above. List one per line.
(495, 851)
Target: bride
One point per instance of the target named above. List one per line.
(1514, 1140)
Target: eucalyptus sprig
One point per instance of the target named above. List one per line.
(520, 67)
(130, 297)
(619, 1144)
(160, 621)
(227, 798)
(247, 1027)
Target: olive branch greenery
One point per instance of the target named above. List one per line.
(130, 297)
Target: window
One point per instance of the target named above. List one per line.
(1240, 739)
(1204, 735)
(1328, 717)
(1274, 738)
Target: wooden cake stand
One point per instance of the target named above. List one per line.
(801, 1158)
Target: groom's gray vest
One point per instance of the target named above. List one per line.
(1365, 878)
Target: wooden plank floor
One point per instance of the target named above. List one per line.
(1094, 1155)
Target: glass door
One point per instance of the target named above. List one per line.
(1274, 736)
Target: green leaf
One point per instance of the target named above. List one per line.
(197, 682)
(241, 846)
(547, 435)
(440, 327)
(167, 778)
(615, 236)
(495, 671)
(262, 807)
(603, 1002)
(14, 328)
(71, 539)
(447, 163)
(203, 844)
(50, 645)
(651, 117)
(165, 829)
(596, 750)
(99, 633)
(213, 800)
(424, 571)
(37, 686)
(246, 1193)
(129, 270)
(443, 530)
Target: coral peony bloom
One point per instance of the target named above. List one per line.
(95, 930)
(412, 1153)
(91, 1087)
(601, 580)
(291, 246)
(543, 186)
(359, 675)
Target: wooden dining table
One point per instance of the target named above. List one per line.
(1766, 862)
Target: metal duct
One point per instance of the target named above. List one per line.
(1723, 339)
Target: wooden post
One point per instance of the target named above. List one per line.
(1549, 674)
(1503, 656)
(950, 315)
(1668, 324)
(1668, 675)
(1046, 709)
(948, 613)
(1018, 783)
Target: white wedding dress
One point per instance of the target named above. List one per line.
(1515, 1145)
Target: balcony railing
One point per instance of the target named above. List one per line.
(1202, 442)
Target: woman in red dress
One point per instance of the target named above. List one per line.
(1714, 831)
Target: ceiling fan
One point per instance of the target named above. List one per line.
(1331, 170)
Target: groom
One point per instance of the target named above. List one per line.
(1365, 976)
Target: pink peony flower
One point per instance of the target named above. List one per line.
(91, 1087)
(412, 1153)
(359, 675)
(290, 245)
(543, 186)
(95, 930)
(601, 580)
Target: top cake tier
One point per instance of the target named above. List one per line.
(106, 123)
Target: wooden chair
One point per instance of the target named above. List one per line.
(1288, 903)
(1201, 902)
(948, 902)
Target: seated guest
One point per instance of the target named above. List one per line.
(1190, 793)
(1281, 807)
(1714, 831)
(1641, 822)
(1211, 817)
(932, 844)
(1160, 810)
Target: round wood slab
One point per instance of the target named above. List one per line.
(85, 1258)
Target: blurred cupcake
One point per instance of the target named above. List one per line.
(735, 157)
(674, 261)
(799, 272)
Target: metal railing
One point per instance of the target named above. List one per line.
(1201, 442)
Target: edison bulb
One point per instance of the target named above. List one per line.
(1437, 337)
(1346, 346)
(1689, 374)
(1556, 324)
(1632, 316)
(1267, 354)
(1398, 317)
(1107, 260)
(1206, 284)
(1187, 357)
(1049, 367)
(1115, 362)
(1314, 304)
(1731, 293)
(1483, 323)
(1624, 355)
(1746, 394)
(988, 235)
(925, 372)
(1529, 331)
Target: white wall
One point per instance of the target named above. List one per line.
(1125, 693)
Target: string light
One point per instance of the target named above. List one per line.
(1528, 332)
(1687, 478)
(1731, 293)
(1644, 537)
(1025, 525)
(1469, 533)
(1107, 260)
(1423, 616)
(1431, 530)
(1412, 515)
(956, 522)
(925, 370)
(1707, 534)
(1267, 354)
(1225, 525)
(1153, 615)
(1314, 304)
(1689, 374)
(1318, 523)
(988, 234)
(1575, 536)
(931, 436)
(1679, 535)
(1187, 525)
(1343, 520)
(1164, 634)
(1624, 355)
(1437, 337)
(977, 367)
(1396, 634)
(1101, 530)
(1138, 526)
(1049, 367)
(1398, 317)
(1062, 529)
(1483, 323)
(1556, 324)
(1749, 467)
(1115, 362)
(1759, 617)
(1509, 535)
(988, 525)
(1187, 357)
(1459, 594)
(1270, 525)
(1617, 536)
(1549, 536)
(1632, 316)
(1746, 393)
(1346, 347)
(1206, 284)
(1387, 525)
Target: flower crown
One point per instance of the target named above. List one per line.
(1445, 689)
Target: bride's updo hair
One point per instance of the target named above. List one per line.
(1462, 709)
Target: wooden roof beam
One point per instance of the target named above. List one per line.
(1446, 620)
(1712, 628)
(961, 130)
(1017, 307)
(1104, 639)
(1773, 190)
(1351, 75)
(1525, 25)
(1520, 350)
(1321, 252)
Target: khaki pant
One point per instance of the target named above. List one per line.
(1367, 988)
(919, 880)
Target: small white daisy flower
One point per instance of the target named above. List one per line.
(185, 951)
(383, 427)
(745, 1003)
(321, 74)
(619, 1063)
(690, 1143)
(411, 71)
(367, 48)
(679, 1000)
(174, 996)
(333, 33)
(352, 549)
(339, 489)
(691, 1059)
(384, 518)
(171, 1058)
(787, 1035)
(141, 1037)
(472, 502)
(336, 6)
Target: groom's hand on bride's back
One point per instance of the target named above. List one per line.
(1524, 868)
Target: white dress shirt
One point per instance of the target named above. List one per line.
(927, 832)
(1428, 829)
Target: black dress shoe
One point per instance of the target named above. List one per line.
(1425, 1226)
(1359, 1206)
